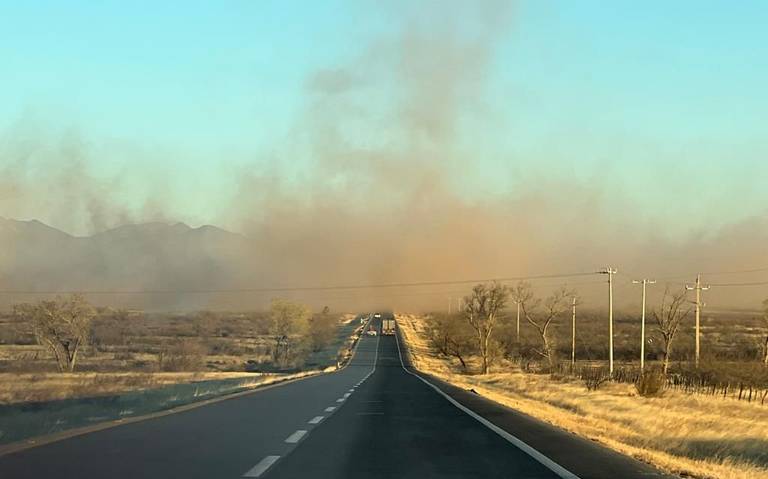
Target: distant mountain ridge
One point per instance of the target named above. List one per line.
(145, 256)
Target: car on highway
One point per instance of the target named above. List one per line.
(377, 315)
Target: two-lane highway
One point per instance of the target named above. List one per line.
(226, 439)
(376, 418)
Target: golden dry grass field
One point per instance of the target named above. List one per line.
(700, 436)
(145, 351)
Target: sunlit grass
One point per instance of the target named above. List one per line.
(703, 436)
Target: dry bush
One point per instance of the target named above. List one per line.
(651, 383)
(594, 378)
(182, 355)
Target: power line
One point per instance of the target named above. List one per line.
(301, 288)
(756, 283)
(710, 273)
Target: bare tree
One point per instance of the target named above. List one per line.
(61, 325)
(765, 344)
(482, 309)
(452, 336)
(288, 320)
(541, 314)
(670, 314)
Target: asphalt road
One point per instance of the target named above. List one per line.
(373, 419)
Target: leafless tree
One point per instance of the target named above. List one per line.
(672, 311)
(541, 314)
(482, 309)
(452, 336)
(765, 344)
(288, 320)
(61, 325)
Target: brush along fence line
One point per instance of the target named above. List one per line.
(687, 380)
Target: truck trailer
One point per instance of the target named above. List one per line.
(388, 327)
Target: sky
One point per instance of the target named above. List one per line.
(627, 121)
(662, 102)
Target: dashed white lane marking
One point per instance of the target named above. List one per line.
(340, 400)
(330, 408)
(346, 395)
(352, 390)
(296, 436)
(316, 419)
(261, 467)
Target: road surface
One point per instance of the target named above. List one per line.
(375, 418)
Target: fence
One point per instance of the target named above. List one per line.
(723, 383)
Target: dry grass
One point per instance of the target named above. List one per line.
(692, 435)
(17, 388)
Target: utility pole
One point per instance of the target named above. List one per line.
(644, 282)
(449, 304)
(573, 335)
(698, 288)
(610, 272)
(518, 321)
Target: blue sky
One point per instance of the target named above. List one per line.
(661, 105)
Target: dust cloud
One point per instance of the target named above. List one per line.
(386, 191)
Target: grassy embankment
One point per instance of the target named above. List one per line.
(28, 370)
(701, 436)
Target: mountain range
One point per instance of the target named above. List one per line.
(35, 257)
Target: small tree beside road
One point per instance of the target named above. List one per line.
(451, 335)
(482, 309)
(668, 317)
(541, 314)
(287, 321)
(765, 343)
(61, 325)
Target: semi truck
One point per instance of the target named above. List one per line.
(388, 326)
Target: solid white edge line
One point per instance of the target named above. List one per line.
(316, 420)
(261, 467)
(541, 458)
(296, 436)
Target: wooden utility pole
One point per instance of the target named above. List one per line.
(644, 282)
(573, 334)
(610, 272)
(698, 288)
(518, 321)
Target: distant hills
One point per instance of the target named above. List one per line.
(148, 256)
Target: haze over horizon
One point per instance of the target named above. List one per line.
(374, 142)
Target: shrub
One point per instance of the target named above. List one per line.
(183, 355)
(594, 378)
(651, 383)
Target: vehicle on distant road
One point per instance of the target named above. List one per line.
(377, 315)
(371, 332)
(388, 327)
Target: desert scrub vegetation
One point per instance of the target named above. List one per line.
(42, 387)
(65, 347)
(690, 434)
